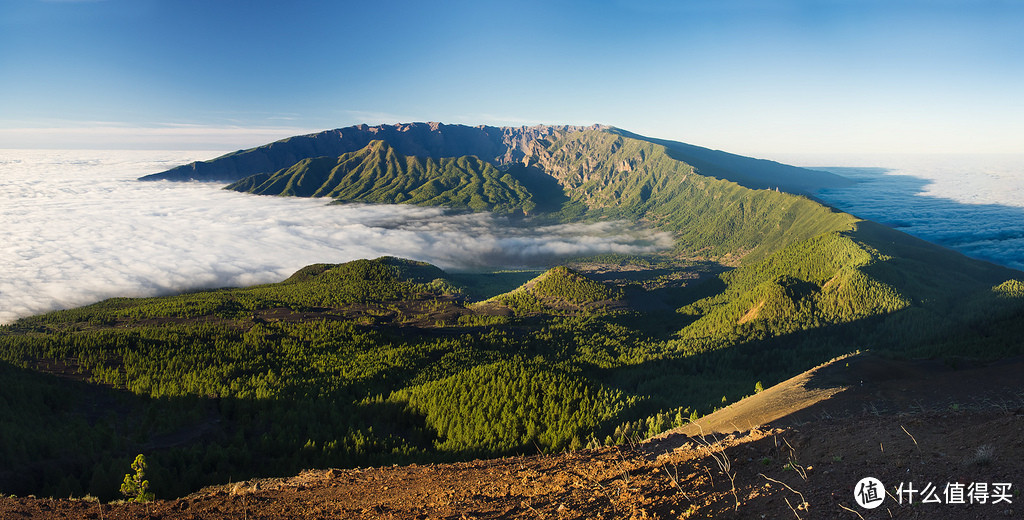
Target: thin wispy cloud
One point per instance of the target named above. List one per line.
(77, 228)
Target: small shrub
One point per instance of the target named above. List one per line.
(136, 487)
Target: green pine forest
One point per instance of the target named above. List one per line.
(393, 361)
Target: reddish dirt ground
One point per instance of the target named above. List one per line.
(804, 464)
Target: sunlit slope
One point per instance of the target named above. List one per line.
(377, 173)
(313, 287)
(505, 406)
(610, 176)
(842, 278)
(809, 284)
(558, 289)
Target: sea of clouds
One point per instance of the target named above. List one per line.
(76, 227)
(971, 203)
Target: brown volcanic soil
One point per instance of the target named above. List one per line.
(867, 384)
(827, 435)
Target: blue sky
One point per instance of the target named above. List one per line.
(752, 77)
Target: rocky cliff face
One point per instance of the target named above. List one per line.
(501, 146)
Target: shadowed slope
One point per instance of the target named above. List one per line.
(746, 171)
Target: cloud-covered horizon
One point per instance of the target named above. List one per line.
(973, 203)
(77, 228)
(94, 135)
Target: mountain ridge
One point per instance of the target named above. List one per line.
(499, 145)
(502, 146)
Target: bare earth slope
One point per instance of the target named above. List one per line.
(867, 384)
(814, 437)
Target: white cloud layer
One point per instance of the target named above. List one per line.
(971, 203)
(75, 228)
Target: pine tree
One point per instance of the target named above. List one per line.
(136, 487)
